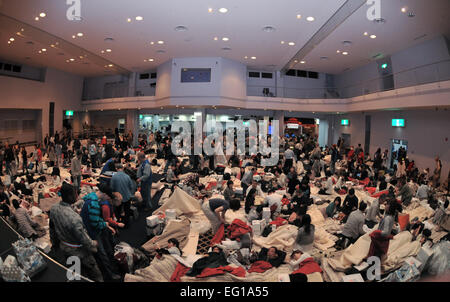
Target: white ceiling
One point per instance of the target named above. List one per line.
(397, 33)
(242, 24)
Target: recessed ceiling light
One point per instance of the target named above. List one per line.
(40, 51)
(129, 20)
(9, 42)
(253, 58)
(404, 9)
(11, 39)
(151, 43)
(345, 53)
(295, 61)
(299, 16)
(79, 34)
(110, 65)
(71, 60)
(67, 61)
(150, 60)
(245, 57)
(181, 28)
(139, 18)
(73, 37)
(160, 42)
(310, 19)
(210, 10)
(52, 45)
(102, 51)
(225, 39)
(291, 43)
(338, 51)
(42, 15)
(373, 36)
(302, 62)
(282, 42)
(37, 18)
(366, 33)
(44, 49)
(108, 50)
(223, 10)
(269, 29)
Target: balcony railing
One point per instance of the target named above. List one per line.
(424, 74)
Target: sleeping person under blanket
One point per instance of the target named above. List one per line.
(173, 248)
(215, 258)
(272, 255)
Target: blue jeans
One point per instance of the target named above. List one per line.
(146, 188)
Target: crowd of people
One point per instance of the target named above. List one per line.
(87, 229)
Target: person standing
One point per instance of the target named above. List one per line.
(247, 180)
(24, 160)
(68, 234)
(122, 183)
(9, 158)
(144, 179)
(75, 170)
(437, 173)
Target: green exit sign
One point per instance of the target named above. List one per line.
(398, 123)
(140, 116)
(69, 113)
(344, 122)
(384, 66)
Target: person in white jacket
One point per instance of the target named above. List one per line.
(297, 257)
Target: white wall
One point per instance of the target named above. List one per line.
(163, 82)
(19, 125)
(432, 53)
(212, 88)
(358, 81)
(233, 80)
(426, 132)
(94, 88)
(62, 88)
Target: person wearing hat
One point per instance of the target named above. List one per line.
(69, 235)
(75, 170)
(144, 180)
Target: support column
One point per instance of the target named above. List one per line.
(132, 123)
(279, 115)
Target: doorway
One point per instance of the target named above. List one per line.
(399, 149)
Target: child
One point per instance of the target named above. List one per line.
(173, 248)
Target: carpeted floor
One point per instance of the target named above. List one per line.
(135, 235)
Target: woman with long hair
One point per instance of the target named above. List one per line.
(305, 236)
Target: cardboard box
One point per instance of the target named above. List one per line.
(423, 256)
(152, 221)
(266, 214)
(352, 278)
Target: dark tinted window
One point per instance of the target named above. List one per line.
(199, 75)
(313, 75)
(8, 67)
(302, 73)
(17, 68)
(253, 74)
(144, 76)
(290, 72)
(266, 75)
(153, 75)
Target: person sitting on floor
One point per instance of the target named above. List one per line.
(305, 237)
(228, 193)
(350, 203)
(328, 187)
(26, 226)
(353, 228)
(333, 207)
(374, 211)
